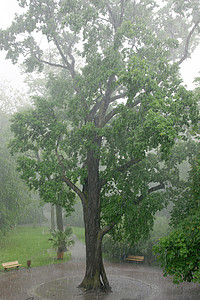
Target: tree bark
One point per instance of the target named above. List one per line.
(95, 276)
(59, 218)
(53, 225)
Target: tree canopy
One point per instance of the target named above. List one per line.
(112, 114)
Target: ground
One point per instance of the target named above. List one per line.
(129, 282)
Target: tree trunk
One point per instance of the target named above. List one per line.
(59, 218)
(53, 225)
(95, 276)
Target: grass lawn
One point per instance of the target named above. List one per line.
(80, 233)
(29, 243)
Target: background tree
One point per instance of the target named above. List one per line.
(11, 99)
(179, 251)
(17, 204)
(124, 104)
(14, 195)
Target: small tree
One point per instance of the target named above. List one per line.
(179, 252)
(61, 239)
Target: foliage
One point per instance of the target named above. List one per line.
(50, 187)
(61, 239)
(120, 249)
(28, 243)
(172, 16)
(184, 202)
(179, 252)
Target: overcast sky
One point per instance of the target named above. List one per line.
(7, 70)
(190, 68)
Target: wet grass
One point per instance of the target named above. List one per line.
(80, 233)
(29, 243)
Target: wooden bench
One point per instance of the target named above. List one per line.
(12, 264)
(134, 258)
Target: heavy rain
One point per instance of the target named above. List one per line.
(99, 149)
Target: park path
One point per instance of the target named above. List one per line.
(77, 251)
(20, 284)
(129, 281)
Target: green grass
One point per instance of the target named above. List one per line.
(80, 233)
(29, 243)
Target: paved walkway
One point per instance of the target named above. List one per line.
(129, 281)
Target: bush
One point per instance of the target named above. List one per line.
(179, 253)
(61, 239)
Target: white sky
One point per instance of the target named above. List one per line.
(189, 69)
(8, 71)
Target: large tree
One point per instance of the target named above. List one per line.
(119, 101)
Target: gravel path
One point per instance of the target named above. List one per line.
(129, 281)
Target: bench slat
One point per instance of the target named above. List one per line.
(11, 264)
(135, 258)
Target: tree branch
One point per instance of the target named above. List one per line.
(133, 104)
(106, 229)
(158, 187)
(186, 51)
(122, 12)
(69, 67)
(73, 187)
(95, 107)
(112, 113)
(51, 64)
(72, 66)
(67, 180)
(120, 96)
(104, 102)
(129, 164)
(109, 116)
(122, 168)
(113, 22)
